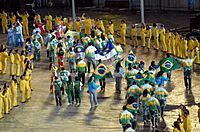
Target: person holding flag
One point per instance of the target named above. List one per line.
(119, 72)
(188, 69)
(131, 58)
(102, 72)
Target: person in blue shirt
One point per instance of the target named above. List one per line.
(11, 35)
(160, 79)
(92, 90)
(19, 35)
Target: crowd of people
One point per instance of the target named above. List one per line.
(145, 92)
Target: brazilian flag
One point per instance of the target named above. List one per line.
(130, 59)
(79, 48)
(140, 78)
(101, 72)
(168, 64)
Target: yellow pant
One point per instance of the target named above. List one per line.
(12, 69)
(148, 40)
(134, 42)
(164, 47)
(184, 53)
(143, 41)
(123, 38)
(1, 105)
(0, 65)
(156, 43)
(18, 69)
(14, 97)
(25, 28)
(28, 90)
(31, 84)
(5, 101)
(4, 67)
(4, 27)
(87, 30)
(23, 95)
(23, 68)
(9, 103)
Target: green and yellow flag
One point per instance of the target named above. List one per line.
(168, 64)
(101, 72)
(131, 58)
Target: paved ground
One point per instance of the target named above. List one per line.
(40, 114)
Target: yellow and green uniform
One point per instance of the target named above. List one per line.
(4, 22)
(125, 118)
(134, 91)
(25, 22)
(17, 62)
(22, 90)
(123, 33)
(12, 60)
(4, 57)
(143, 36)
(81, 67)
(162, 39)
(148, 38)
(156, 35)
(70, 92)
(134, 37)
(143, 102)
(134, 111)
(148, 87)
(14, 92)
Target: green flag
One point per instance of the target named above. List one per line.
(168, 64)
(131, 58)
(101, 72)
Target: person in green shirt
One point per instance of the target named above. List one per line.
(64, 78)
(70, 91)
(57, 91)
(77, 90)
(37, 49)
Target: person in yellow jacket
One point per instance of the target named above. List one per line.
(197, 44)
(1, 103)
(5, 99)
(37, 18)
(173, 48)
(78, 24)
(22, 85)
(48, 23)
(11, 60)
(143, 35)
(187, 122)
(110, 27)
(162, 38)
(4, 57)
(14, 91)
(4, 21)
(27, 81)
(123, 32)
(177, 44)
(9, 97)
(69, 23)
(12, 18)
(168, 41)
(17, 62)
(148, 37)
(177, 127)
(88, 25)
(24, 17)
(58, 21)
(23, 57)
(184, 48)
(101, 25)
(156, 36)
(134, 36)
(191, 48)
